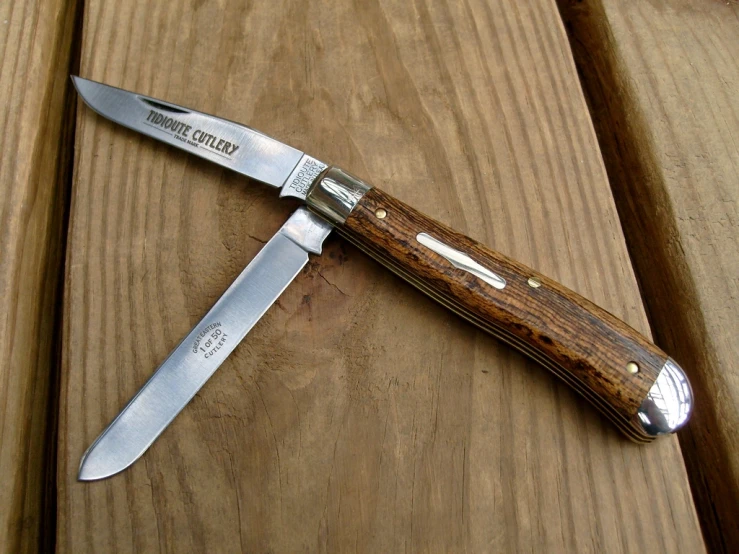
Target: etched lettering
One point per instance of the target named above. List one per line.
(305, 176)
(204, 333)
(199, 137)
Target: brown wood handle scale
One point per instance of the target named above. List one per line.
(629, 379)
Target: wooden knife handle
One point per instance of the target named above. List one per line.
(629, 379)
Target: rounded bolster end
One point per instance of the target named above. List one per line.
(669, 403)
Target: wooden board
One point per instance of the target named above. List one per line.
(357, 415)
(662, 79)
(35, 158)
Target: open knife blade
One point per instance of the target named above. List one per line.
(228, 144)
(629, 379)
(206, 347)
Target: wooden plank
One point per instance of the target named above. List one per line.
(358, 415)
(35, 159)
(662, 81)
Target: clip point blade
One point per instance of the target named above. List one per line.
(86, 89)
(223, 142)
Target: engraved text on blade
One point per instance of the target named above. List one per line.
(181, 130)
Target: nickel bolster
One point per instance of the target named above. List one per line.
(335, 194)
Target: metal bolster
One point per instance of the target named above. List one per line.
(335, 194)
(668, 405)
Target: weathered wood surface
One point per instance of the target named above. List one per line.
(35, 155)
(662, 79)
(357, 415)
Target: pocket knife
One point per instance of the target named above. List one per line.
(630, 380)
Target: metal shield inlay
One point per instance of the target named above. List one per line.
(460, 260)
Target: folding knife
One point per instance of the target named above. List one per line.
(629, 379)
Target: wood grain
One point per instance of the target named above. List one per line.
(582, 344)
(357, 415)
(662, 81)
(35, 159)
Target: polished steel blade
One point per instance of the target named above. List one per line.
(205, 348)
(224, 142)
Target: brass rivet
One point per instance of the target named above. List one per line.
(380, 213)
(534, 283)
(632, 367)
